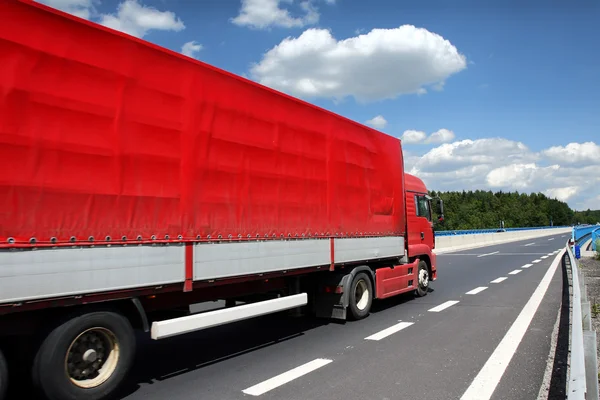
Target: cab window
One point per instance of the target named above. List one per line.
(423, 209)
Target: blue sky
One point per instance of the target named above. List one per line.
(514, 88)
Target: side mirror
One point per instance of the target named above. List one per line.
(441, 216)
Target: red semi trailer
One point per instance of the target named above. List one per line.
(137, 181)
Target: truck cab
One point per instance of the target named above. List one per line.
(419, 220)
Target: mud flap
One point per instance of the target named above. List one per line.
(332, 303)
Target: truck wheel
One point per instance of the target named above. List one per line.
(3, 376)
(361, 296)
(86, 357)
(422, 279)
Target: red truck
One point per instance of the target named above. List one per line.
(139, 181)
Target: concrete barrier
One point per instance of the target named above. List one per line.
(447, 244)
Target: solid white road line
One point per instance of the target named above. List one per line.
(536, 261)
(516, 271)
(443, 306)
(477, 290)
(389, 331)
(286, 377)
(551, 239)
(527, 265)
(488, 254)
(498, 280)
(529, 244)
(484, 384)
(544, 257)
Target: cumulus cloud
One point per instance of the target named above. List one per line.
(79, 8)
(131, 16)
(503, 164)
(441, 136)
(412, 137)
(517, 176)
(381, 64)
(488, 151)
(191, 49)
(419, 137)
(564, 193)
(575, 153)
(377, 122)
(137, 19)
(262, 14)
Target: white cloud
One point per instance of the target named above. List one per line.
(575, 153)
(488, 151)
(137, 19)
(191, 49)
(420, 137)
(79, 8)
(441, 136)
(411, 136)
(592, 203)
(377, 122)
(262, 14)
(517, 176)
(503, 164)
(381, 64)
(562, 194)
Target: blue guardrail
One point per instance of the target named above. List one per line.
(596, 239)
(477, 231)
(583, 230)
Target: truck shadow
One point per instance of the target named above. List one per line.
(162, 360)
(183, 354)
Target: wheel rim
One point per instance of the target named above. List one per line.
(92, 358)
(423, 278)
(361, 295)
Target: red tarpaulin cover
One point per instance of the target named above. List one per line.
(102, 134)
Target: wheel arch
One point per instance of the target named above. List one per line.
(347, 280)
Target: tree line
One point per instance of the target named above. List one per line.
(485, 209)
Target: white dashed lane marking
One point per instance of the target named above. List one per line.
(488, 254)
(526, 265)
(498, 280)
(286, 377)
(477, 290)
(443, 306)
(389, 331)
(516, 271)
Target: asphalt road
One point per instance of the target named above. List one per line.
(442, 346)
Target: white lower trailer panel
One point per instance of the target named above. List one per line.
(27, 275)
(195, 322)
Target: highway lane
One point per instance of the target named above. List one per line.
(435, 358)
(420, 353)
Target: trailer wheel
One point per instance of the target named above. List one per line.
(360, 296)
(422, 279)
(3, 376)
(86, 357)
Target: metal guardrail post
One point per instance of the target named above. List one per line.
(583, 376)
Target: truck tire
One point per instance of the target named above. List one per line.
(3, 376)
(360, 296)
(85, 358)
(422, 279)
